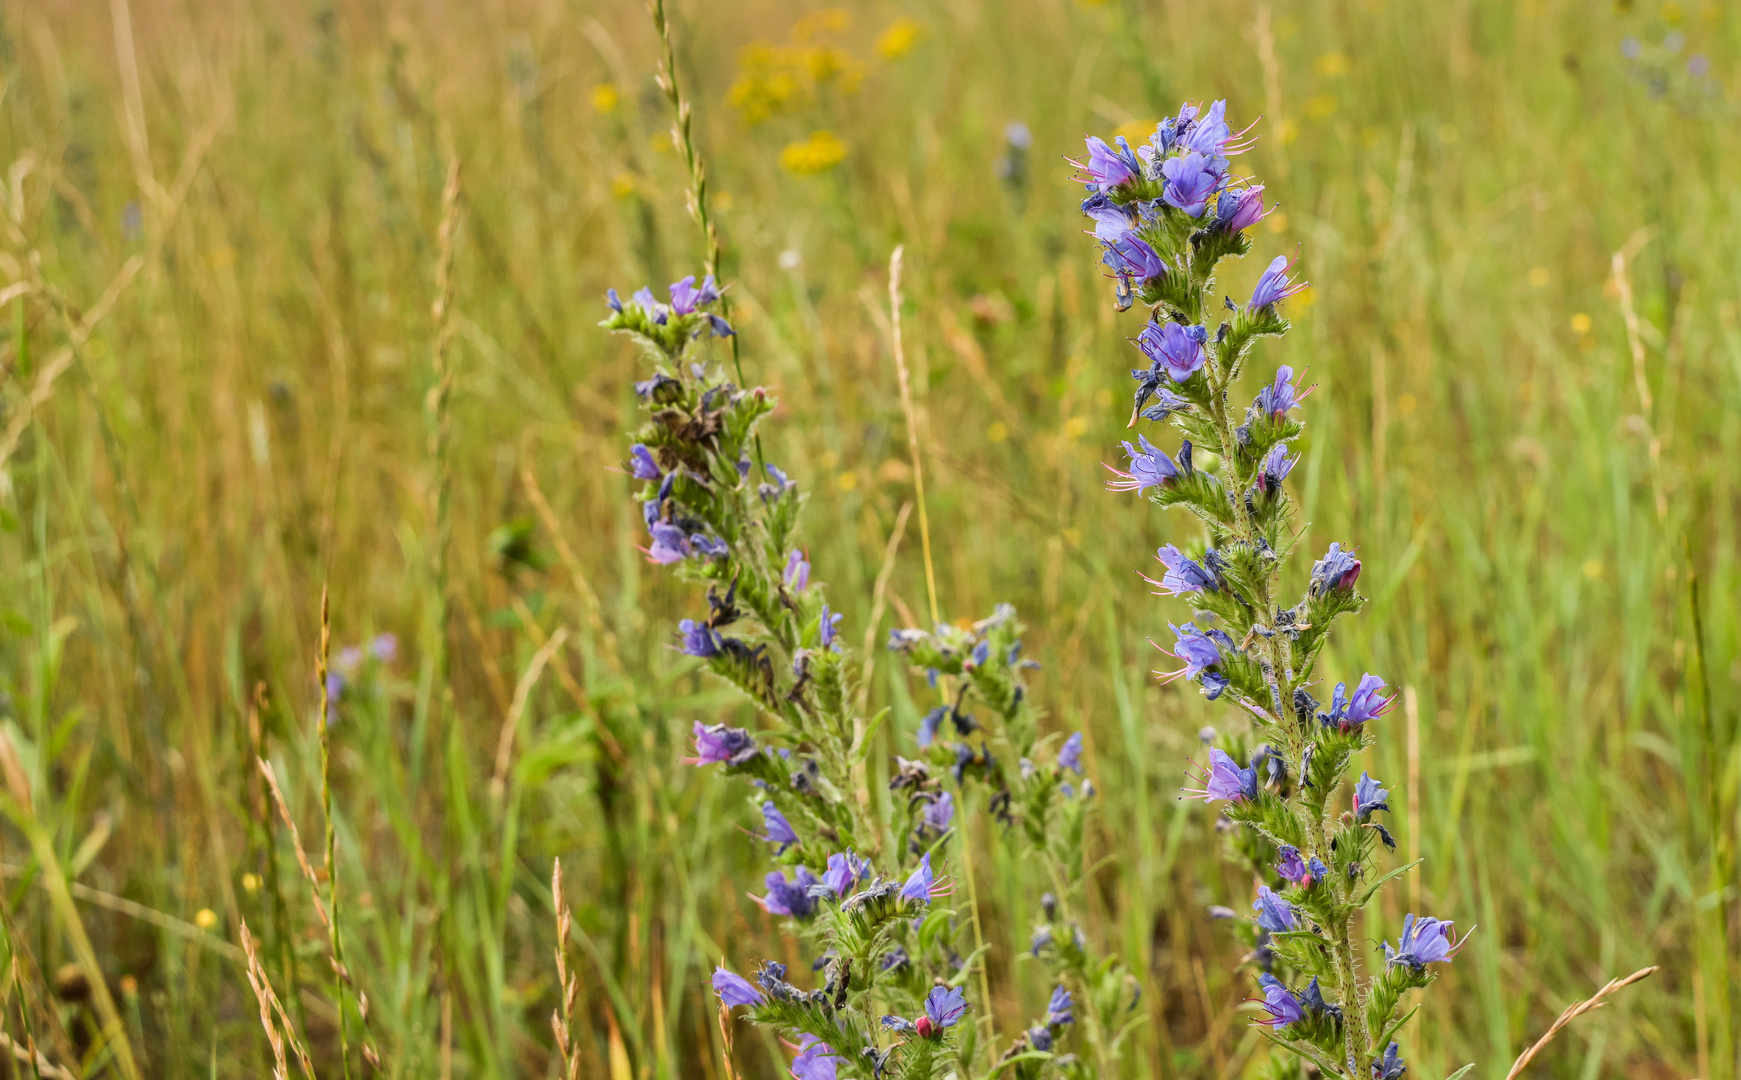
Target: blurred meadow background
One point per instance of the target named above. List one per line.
(223, 389)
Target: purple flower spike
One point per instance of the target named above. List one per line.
(1225, 780)
(1108, 167)
(797, 572)
(699, 639)
(1368, 797)
(1149, 467)
(641, 463)
(1273, 913)
(919, 883)
(845, 871)
(816, 1060)
(686, 298)
(779, 829)
(1190, 183)
(1177, 349)
(1275, 285)
(1184, 574)
(1337, 571)
(1425, 940)
(718, 744)
(733, 989)
(1070, 754)
(1281, 1004)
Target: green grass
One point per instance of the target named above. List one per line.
(248, 422)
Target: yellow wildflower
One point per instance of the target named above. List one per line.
(817, 154)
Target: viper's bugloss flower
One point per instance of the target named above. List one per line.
(1275, 285)
(1276, 467)
(711, 546)
(1201, 652)
(944, 1008)
(733, 989)
(641, 463)
(1070, 754)
(797, 572)
(656, 311)
(1225, 780)
(779, 829)
(1367, 703)
(1112, 222)
(1281, 1004)
(1312, 997)
(1368, 797)
(1149, 467)
(781, 483)
(1176, 349)
(1337, 571)
(1273, 913)
(1209, 134)
(719, 326)
(939, 813)
(670, 544)
(816, 1060)
(699, 639)
(830, 628)
(1058, 1008)
(788, 896)
(1040, 1038)
(1109, 167)
(1184, 575)
(717, 744)
(686, 298)
(1131, 256)
(920, 882)
(613, 301)
(1190, 182)
(845, 871)
(1425, 940)
(1390, 1066)
(930, 722)
(1279, 397)
(1042, 938)
(1292, 866)
(1238, 209)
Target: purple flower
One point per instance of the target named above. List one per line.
(1425, 940)
(1368, 703)
(1273, 913)
(1040, 1038)
(1190, 182)
(1070, 754)
(1276, 467)
(930, 723)
(1240, 209)
(797, 572)
(788, 897)
(939, 813)
(845, 870)
(779, 829)
(1210, 133)
(1337, 571)
(1112, 222)
(718, 744)
(1199, 650)
(708, 545)
(641, 463)
(670, 544)
(1042, 938)
(1149, 467)
(1107, 167)
(919, 883)
(1390, 1066)
(1183, 575)
(719, 326)
(944, 1007)
(816, 1060)
(1224, 779)
(733, 989)
(1281, 1004)
(1178, 349)
(384, 647)
(686, 298)
(613, 301)
(830, 628)
(699, 639)
(1131, 256)
(1280, 396)
(335, 686)
(656, 311)
(1298, 870)
(1275, 286)
(1058, 1008)
(1368, 797)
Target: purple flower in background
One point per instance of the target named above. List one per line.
(1239, 209)
(788, 897)
(335, 686)
(686, 298)
(1225, 780)
(919, 883)
(930, 723)
(1058, 1008)
(1390, 1066)
(1184, 575)
(1281, 1004)
(1273, 913)
(641, 463)
(816, 1060)
(1276, 467)
(939, 813)
(1275, 285)
(1149, 467)
(830, 628)
(1368, 703)
(845, 870)
(1178, 349)
(1131, 256)
(779, 829)
(1190, 182)
(733, 989)
(718, 744)
(1042, 938)
(1108, 167)
(384, 647)
(699, 639)
(1425, 940)
(1368, 797)
(1040, 1038)
(349, 659)
(1280, 396)
(1337, 571)
(797, 572)
(1070, 754)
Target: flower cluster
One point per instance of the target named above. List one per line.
(1165, 214)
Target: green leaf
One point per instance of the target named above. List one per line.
(1310, 1053)
(1372, 888)
(862, 750)
(1393, 1027)
(1460, 1073)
